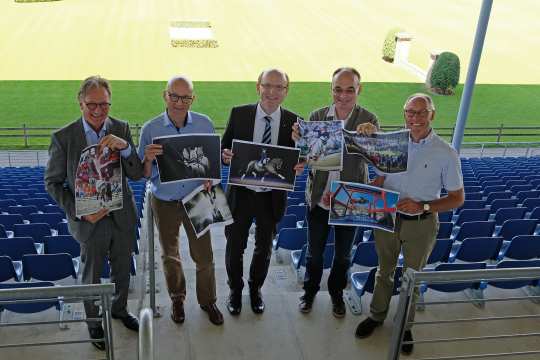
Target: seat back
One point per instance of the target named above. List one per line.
(478, 249)
(48, 267)
(503, 214)
(498, 195)
(441, 251)
(522, 195)
(472, 215)
(445, 216)
(3, 233)
(35, 230)
(28, 308)
(445, 230)
(475, 229)
(8, 220)
(62, 244)
(7, 270)
(24, 210)
(291, 238)
(471, 204)
(523, 247)
(298, 210)
(515, 284)
(365, 255)
(17, 247)
(513, 227)
(49, 218)
(455, 267)
(531, 203)
(502, 203)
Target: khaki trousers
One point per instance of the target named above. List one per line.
(416, 239)
(169, 215)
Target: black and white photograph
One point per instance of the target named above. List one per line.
(321, 144)
(388, 152)
(263, 165)
(206, 209)
(189, 157)
(98, 184)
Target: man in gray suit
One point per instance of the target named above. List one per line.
(345, 90)
(103, 233)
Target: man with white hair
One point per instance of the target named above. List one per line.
(432, 165)
(166, 202)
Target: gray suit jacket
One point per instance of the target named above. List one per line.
(354, 167)
(65, 150)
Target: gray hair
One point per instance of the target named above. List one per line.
(274, 70)
(92, 82)
(346, 69)
(183, 78)
(427, 99)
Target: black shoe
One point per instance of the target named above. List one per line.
(234, 304)
(338, 307)
(407, 349)
(366, 327)
(97, 333)
(306, 303)
(129, 320)
(257, 303)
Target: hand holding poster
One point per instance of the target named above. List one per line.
(206, 209)
(321, 144)
(388, 152)
(189, 157)
(98, 182)
(355, 204)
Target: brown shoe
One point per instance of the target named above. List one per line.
(214, 314)
(177, 312)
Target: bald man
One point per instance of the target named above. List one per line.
(166, 202)
(432, 165)
(250, 123)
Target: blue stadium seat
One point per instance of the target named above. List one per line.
(474, 195)
(521, 247)
(458, 286)
(504, 214)
(62, 228)
(494, 188)
(365, 255)
(49, 218)
(38, 202)
(445, 230)
(471, 215)
(476, 249)
(472, 204)
(515, 284)
(287, 221)
(291, 239)
(502, 203)
(514, 227)
(16, 247)
(445, 216)
(8, 220)
(3, 233)
(517, 188)
(498, 195)
(441, 251)
(29, 308)
(531, 203)
(535, 213)
(35, 230)
(48, 267)
(62, 244)
(298, 210)
(522, 195)
(7, 270)
(475, 229)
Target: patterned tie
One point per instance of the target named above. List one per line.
(267, 135)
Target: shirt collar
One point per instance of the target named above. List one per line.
(168, 122)
(88, 128)
(261, 113)
(428, 139)
(332, 113)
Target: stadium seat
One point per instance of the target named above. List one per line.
(531, 203)
(62, 228)
(38, 202)
(7, 270)
(494, 188)
(514, 227)
(287, 221)
(521, 247)
(53, 209)
(503, 214)
(364, 281)
(62, 244)
(29, 308)
(535, 214)
(8, 220)
(472, 204)
(298, 210)
(441, 251)
(498, 195)
(3, 233)
(445, 230)
(515, 284)
(365, 255)
(522, 195)
(24, 210)
(475, 229)
(471, 215)
(517, 188)
(35, 230)
(476, 249)
(458, 286)
(445, 216)
(511, 183)
(502, 203)
(290, 239)
(49, 218)
(474, 195)
(472, 189)
(48, 267)
(5, 203)
(17, 247)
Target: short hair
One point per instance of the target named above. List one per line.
(92, 82)
(427, 99)
(183, 78)
(283, 73)
(348, 69)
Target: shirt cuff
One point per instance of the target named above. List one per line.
(126, 152)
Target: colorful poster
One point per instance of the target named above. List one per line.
(321, 144)
(98, 182)
(206, 209)
(263, 165)
(355, 204)
(388, 152)
(189, 157)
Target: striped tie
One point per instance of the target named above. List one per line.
(267, 135)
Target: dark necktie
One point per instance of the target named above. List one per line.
(267, 135)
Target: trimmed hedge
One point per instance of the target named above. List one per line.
(389, 46)
(445, 74)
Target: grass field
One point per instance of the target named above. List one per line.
(53, 103)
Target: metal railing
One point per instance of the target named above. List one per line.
(413, 279)
(146, 335)
(72, 293)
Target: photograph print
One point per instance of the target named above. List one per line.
(98, 181)
(321, 144)
(189, 157)
(206, 209)
(263, 165)
(355, 204)
(388, 152)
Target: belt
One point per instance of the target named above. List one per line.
(421, 216)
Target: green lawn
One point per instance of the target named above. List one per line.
(53, 103)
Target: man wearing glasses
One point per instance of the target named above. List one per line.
(166, 202)
(103, 235)
(345, 90)
(263, 122)
(432, 165)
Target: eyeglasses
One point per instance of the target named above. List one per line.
(339, 91)
(93, 106)
(186, 99)
(413, 113)
(279, 88)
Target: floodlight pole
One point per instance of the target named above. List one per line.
(468, 88)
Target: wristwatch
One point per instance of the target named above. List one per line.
(426, 206)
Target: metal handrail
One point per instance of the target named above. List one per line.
(146, 335)
(412, 279)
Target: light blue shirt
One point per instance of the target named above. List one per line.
(92, 138)
(432, 165)
(162, 125)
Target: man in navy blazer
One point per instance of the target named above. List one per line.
(248, 122)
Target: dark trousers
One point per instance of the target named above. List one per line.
(318, 230)
(251, 205)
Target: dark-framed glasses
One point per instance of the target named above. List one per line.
(420, 113)
(279, 88)
(186, 99)
(93, 106)
(348, 91)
